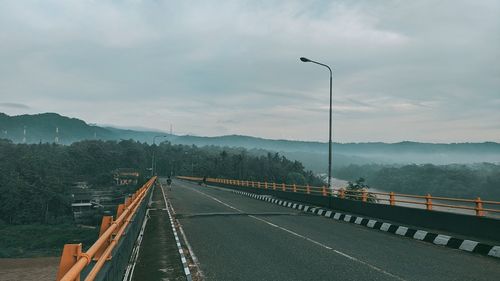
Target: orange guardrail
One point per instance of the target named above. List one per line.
(476, 205)
(73, 260)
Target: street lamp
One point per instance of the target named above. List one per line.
(330, 124)
(153, 157)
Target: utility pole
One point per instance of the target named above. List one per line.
(153, 162)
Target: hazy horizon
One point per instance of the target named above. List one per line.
(421, 71)
(144, 129)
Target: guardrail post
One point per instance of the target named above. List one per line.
(428, 202)
(106, 222)
(70, 255)
(392, 200)
(341, 193)
(294, 188)
(308, 189)
(128, 200)
(265, 185)
(120, 210)
(258, 184)
(274, 186)
(324, 191)
(479, 207)
(283, 186)
(364, 195)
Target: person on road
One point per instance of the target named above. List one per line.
(169, 182)
(205, 181)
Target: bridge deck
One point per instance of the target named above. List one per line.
(237, 238)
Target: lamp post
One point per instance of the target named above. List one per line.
(330, 124)
(153, 156)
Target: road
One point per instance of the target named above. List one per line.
(239, 238)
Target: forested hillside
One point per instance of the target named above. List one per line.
(35, 178)
(313, 155)
(468, 181)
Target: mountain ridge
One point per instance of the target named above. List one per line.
(42, 128)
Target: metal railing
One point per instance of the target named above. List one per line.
(477, 206)
(74, 261)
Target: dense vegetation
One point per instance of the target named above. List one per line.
(313, 155)
(467, 181)
(35, 178)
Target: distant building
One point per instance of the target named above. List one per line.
(125, 176)
(80, 185)
(81, 202)
(82, 207)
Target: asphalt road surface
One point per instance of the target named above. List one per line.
(238, 238)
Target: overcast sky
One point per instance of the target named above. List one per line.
(403, 70)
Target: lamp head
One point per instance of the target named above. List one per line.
(305, 59)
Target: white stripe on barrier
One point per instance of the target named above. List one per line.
(441, 239)
(468, 245)
(420, 235)
(494, 252)
(402, 230)
(358, 220)
(385, 226)
(371, 223)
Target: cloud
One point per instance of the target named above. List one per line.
(14, 105)
(217, 67)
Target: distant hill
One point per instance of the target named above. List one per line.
(42, 128)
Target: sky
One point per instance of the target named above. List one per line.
(402, 70)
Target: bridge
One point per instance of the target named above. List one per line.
(230, 229)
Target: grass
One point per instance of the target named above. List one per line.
(38, 240)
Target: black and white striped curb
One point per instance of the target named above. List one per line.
(177, 241)
(438, 239)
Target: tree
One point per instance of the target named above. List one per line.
(354, 191)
